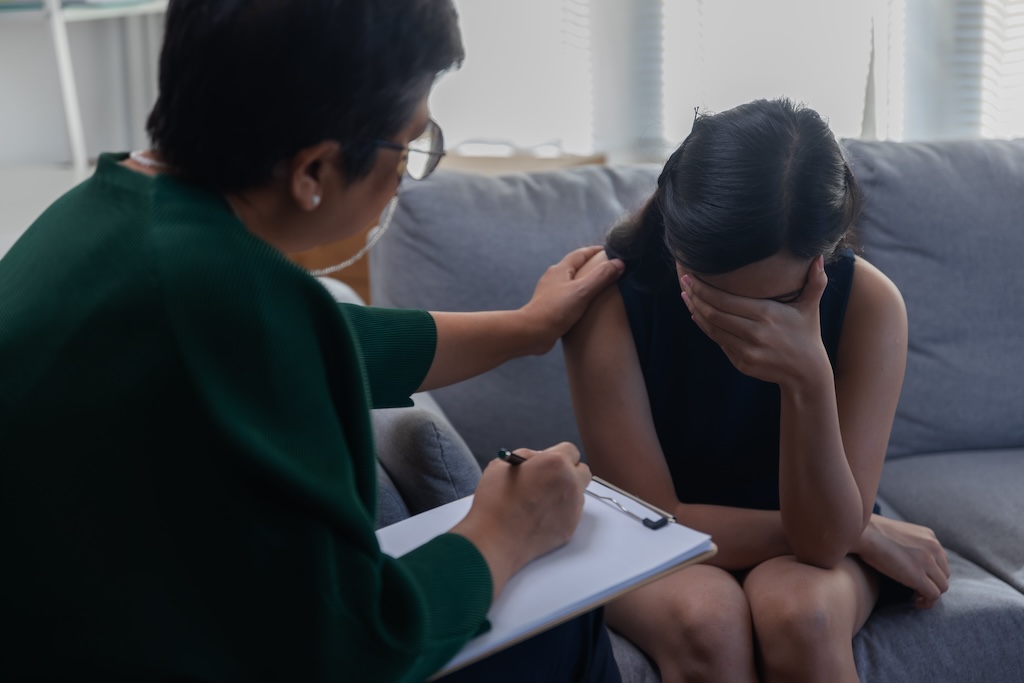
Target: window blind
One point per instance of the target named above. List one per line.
(987, 69)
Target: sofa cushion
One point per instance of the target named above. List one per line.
(974, 633)
(480, 243)
(943, 220)
(342, 292)
(390, 506)
(634, 665)
(422, 454)
(972, 501)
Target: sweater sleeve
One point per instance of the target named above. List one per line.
(396, 347)
(278, 373)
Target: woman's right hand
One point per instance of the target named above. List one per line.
(524, 511)
(909, 554)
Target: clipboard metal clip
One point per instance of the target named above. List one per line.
(662, 519)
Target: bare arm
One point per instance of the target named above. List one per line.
(614, 418)
(469, 344)
(833, 432)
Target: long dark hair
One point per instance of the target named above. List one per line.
(245, 84)
(745, 184)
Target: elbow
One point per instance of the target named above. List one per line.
(819, 558)
(827, 548)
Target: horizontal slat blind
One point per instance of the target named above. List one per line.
(988, 68)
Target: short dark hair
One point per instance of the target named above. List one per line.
(746, 183)
(245, 84)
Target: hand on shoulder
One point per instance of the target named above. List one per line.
(566, 289)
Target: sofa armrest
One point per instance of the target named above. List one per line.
(423, 456)
(422, 462)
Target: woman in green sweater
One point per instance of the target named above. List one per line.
(187, 471)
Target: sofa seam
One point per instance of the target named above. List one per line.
(444, 458)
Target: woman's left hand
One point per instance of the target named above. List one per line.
(763, 338)
(909, 554)
(565, 290)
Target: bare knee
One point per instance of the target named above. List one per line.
(696, 627)
(792, 619)
(711, 623)
(801, 621)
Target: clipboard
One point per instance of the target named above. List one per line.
(621, 543)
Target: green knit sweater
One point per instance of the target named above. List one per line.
(187, 470)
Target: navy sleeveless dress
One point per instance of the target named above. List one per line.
(718, 428)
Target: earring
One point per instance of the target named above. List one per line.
(316, 200)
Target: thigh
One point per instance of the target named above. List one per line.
(786, 592)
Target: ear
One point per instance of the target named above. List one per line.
(311, 169)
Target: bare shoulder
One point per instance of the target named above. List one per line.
(605, 318)
(874, 298)
(875, 326)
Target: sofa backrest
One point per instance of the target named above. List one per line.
(467, 242)
(945, 221)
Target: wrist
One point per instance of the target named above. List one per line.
(500, 557)
(866, 540)
(810, 377)
(537, 336)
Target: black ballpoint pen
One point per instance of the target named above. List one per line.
(510, 457)
(663, 517)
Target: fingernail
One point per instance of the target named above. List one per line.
(619, 263)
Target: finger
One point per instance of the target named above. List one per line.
(567, 450)
(595, 280)
(583, 475)
(816, 283)
(728, 341)
(708, 316)
(927, 589)
(939, 578)
(577, 258)
(740, 306)
(943, 559)
(922, 602)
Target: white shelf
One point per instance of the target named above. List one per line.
(76, 13)
(58, 17)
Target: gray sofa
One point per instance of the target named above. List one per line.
(945, 221)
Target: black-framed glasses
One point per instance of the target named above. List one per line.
(422, 155)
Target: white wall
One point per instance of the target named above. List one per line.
(32, 129)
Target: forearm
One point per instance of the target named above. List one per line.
(469, 344)
(745, 538)
(822, 508)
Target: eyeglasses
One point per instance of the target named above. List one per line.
(422, 154)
